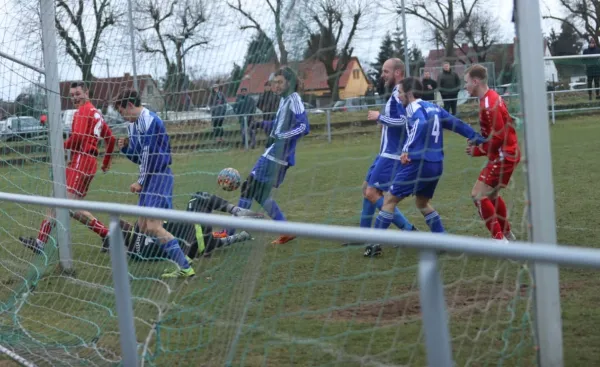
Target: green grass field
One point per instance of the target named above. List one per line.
(310, 302)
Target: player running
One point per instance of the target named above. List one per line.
(196, 239)
(422, 157)
(501, 149)
(148, 146)
(290, 124)
(88, 127)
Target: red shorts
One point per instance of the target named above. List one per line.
(498, 173)
(80, 172)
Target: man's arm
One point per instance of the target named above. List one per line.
(77, 136)
(148, 142)
(301, 125)
(460, 127)
(110, 141)
(416, 135)
(397, 115)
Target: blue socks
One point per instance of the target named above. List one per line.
(366, 216)
(384, 220)
(175, 253)
(273, 210)
(434, 222)
(399, 219)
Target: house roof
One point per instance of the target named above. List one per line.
(502, 55)
(311, 72)
(103, 90)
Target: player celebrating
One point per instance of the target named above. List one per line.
(501, 149)
(148, 146)
(87, 128)
(198, 238)
(422, 157)
(386, 164)
(290, 124)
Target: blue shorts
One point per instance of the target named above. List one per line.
(267, 171)
(417, 178)
(157, 191)
(382, 172)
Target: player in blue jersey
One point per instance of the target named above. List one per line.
(290, 124)
(387, 163)
(422, 157)
(148, 146)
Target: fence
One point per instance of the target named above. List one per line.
(544, 253)
(432, 298)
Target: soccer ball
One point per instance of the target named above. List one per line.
(229, 179)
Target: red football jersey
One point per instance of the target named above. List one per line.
(497, 125)
(88, 127)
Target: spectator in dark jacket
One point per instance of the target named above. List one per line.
(592, 68)
(429, 87)
(218, 107)
(449, 86)
(268, 102)
(245, 107)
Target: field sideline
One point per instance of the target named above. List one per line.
(313, 302)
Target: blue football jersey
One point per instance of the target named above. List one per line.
(393, 132)
(425, 138)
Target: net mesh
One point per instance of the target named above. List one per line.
(308, 302)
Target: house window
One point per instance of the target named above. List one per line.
(150, 90)
(355, 73)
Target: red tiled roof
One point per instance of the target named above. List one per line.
(102, 90)
(312, 74)
(502, 55)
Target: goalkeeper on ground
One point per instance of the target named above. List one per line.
(194, 239)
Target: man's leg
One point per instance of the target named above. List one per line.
(596, 85)
(432, 217)
(453, 105)
(169, 244)
(486, 209)
(590, 80)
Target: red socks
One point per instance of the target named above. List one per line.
(99, 228)
(44, 232)
(487, 212)
(502, 214)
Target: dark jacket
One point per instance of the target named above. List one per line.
(592, 64)
(217, 102)
(449, 84)
(244, 105)
(429, 93)
(268, 102)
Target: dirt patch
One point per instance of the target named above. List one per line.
(459, 298)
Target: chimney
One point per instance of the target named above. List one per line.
(127, 76)
(465, 46)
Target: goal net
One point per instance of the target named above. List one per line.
(204, 67)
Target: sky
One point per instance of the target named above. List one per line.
(228, 42)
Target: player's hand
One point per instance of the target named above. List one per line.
(135, 187)
(404, 159)
(373, 116)
(478, 139)
(122, 143)
(470, 150)
(105, 168)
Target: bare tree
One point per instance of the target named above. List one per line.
(328, 45)
(482, 32)
(447, 18)
(171, 31)
(80, 24)
(582, 15)
(277, 9)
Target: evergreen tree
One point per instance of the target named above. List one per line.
(567, 42)
(260, 50)
(417, 61)
(386, 51)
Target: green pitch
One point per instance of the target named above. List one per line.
(309, 302)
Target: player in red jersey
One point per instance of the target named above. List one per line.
(501, 149)
(87, 129)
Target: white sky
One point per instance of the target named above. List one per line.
(228, 42)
